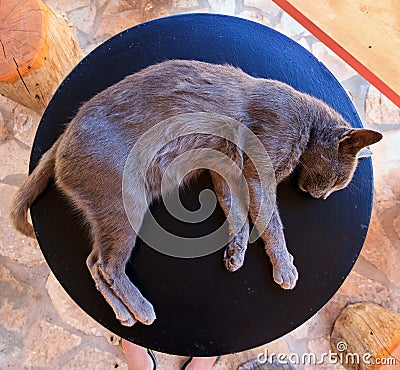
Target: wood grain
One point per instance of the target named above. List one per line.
(37, 50)
(366, 328)
(365, 33)
(23, 24)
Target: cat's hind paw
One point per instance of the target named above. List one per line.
(123, 296)
(145, 314)
(285, 274)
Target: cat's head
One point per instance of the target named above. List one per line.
(329, 166)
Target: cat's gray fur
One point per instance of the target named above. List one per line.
(88, 159)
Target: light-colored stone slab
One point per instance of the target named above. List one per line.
(93, 358)
(304, 43)
(7, 105)
(385, 156)
(379, 109)
(387, 188)
(13, 298)
(26, 123)
(278, 346)
(223, 6)
(45, 342)
(379, 251)
(10, 348)
(301, 332)
(268, 7)
(358, 288)
(386, 162)
(3, 128)
(118, 6)
(165, 361)
(67, 6)
(290, 27)
(319, 326)
(185, 4)
(255, 16)
(70, 312)
(266, 364)
(320, 348)
(115, 22)
(341, 70)
(14, 158)
(83, 18)
(13, 317)
(13, 245)
(396, 224)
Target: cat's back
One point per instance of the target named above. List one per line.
(176, 87)
(108, 125)
(130, 107)
(201, 74)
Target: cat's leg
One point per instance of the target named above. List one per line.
(96, 188)
(121, 312)
(271, 230)
(114, 240)
(235, 252)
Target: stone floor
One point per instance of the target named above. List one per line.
(42, 328)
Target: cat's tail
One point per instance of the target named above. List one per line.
(30, 189)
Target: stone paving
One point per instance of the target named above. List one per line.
(42, 328)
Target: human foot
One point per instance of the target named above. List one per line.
(138, 358)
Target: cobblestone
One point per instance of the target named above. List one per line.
(379, 109)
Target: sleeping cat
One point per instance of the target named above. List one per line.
(88, 159)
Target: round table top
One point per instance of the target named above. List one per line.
(202, 309)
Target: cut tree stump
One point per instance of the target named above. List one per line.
(37, 50)
(366, 332)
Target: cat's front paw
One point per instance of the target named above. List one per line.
(285, 274)
(234, 256)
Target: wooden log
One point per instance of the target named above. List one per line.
(367, 336)
(37, 50)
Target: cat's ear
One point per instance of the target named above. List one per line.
(354, 140)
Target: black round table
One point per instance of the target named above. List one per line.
(202, 309)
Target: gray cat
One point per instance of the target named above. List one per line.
(87, 162)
